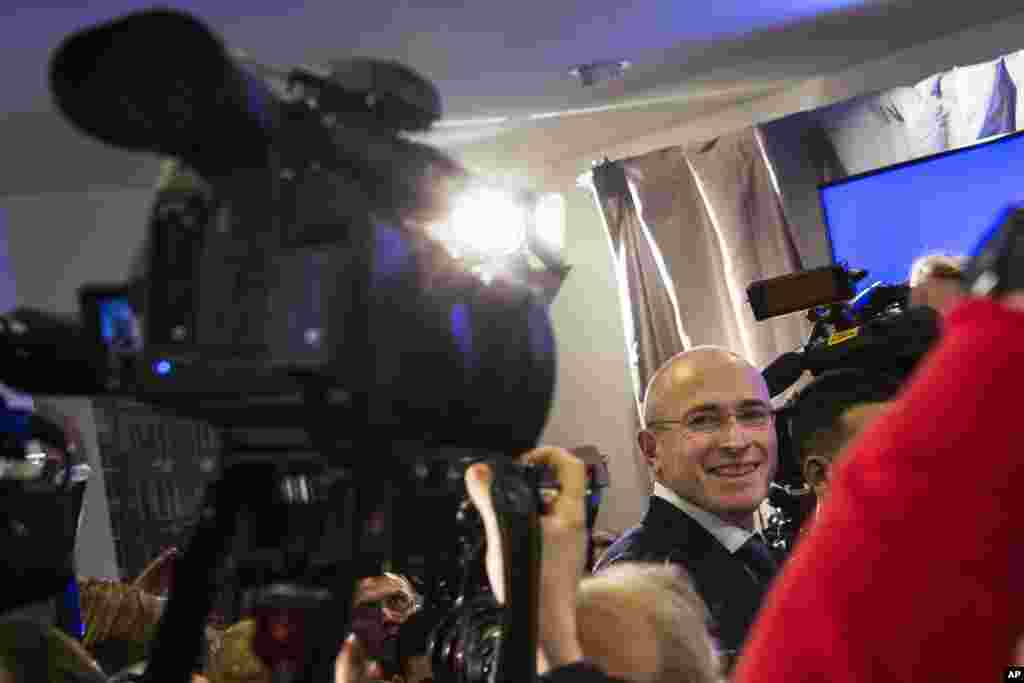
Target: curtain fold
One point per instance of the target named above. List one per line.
(693, 228)
(648, 299)
(944, 111)
(981, 101)
(754, 239)
(885, 128)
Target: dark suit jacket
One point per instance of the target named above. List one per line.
(732, 594)
(580, 672)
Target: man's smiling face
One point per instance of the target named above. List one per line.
(712, 435)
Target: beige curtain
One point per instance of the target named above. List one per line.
(650, 310)
(691, 229)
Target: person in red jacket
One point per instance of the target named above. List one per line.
(878, 591)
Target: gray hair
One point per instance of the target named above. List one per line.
(673, 607)
(936, 266)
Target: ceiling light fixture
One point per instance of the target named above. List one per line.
(599, 72)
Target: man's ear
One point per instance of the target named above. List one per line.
(648, 446)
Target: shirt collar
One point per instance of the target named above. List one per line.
(731, 536)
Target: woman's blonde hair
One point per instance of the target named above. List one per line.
(665, 594)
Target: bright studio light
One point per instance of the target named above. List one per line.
(487, 223)
(549, 223)
(495, 230)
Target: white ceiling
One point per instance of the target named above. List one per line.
(488, 58)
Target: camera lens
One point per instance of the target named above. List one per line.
(464, 647)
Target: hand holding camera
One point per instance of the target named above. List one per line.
(563, 553)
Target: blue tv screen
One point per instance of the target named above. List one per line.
(883, 220)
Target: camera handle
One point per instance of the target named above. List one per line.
(517, 504)
(283, 524)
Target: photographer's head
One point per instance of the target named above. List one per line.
(829, 412)
(665, 617)
(709, 432)
(935, 281)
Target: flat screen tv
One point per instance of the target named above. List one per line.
(883, 220)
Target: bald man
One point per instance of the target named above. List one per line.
(709, 438)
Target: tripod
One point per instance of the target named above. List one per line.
(283, 524)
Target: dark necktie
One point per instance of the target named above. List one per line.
(758, 559)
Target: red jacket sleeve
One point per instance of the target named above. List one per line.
(914, 570)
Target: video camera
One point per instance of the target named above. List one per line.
(284, 298)
(873, 330)
(867, 342)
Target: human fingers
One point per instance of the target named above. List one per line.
(572, 477)
(478, 485)
(352, 665)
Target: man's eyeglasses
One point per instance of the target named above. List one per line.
(712, 421)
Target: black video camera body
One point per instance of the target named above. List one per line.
(462, 628)
(284, 297)
(277, 259)
(876, 330)
(867, 342)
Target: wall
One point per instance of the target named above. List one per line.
(8, 292)
(593, 396)
(58, 241)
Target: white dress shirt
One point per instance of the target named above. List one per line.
(729, 535)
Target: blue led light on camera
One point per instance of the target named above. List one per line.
(462, 331)
(163, 367)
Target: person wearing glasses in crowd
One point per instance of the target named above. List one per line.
(709, 439)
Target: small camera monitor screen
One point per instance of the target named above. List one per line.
(884, 220)
(119, 327)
